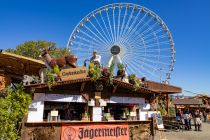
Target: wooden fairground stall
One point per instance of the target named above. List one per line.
(81, 108)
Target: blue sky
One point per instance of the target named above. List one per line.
(188, 20)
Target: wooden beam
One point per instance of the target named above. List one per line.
(82, 86)
(85, 96)
(114, 89)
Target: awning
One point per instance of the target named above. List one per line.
(16, 66)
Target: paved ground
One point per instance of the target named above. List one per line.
(189, 135)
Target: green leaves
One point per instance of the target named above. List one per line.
(50, 78)
(34, 48)
(12, 110)
(94, 72)
(135, 81)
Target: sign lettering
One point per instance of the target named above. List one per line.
(73, 73)
(95, 132)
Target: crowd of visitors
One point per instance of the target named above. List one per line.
(188, 117)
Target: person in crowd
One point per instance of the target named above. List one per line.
(186, 116)
(201, 115)
(178, 116)
(189, 120)
(204, 116)
(198, 121)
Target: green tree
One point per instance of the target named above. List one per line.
(13, 108)
(34, 48)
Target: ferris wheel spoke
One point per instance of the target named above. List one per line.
(150, 73)
(145, 64)
(134, 22)
(88, 41)
(139, 35)
(134, 29)
(106, 28)
(110, 27)
(122, 26)
(145, 71)
(156, 62)
(92, 38)
(153, 44)
(133, 69)
(102, 29)
(95, 34)
(149, 28)
(148, 51)
(140, 70)
(139, 30)
(149, 67)
(99, 32)
(118, 26)
(128, 22)
(157, 38)
(160, 56)
(113, 18)
(156, 32)
(126, 57)
(154, 39)
(85, 46)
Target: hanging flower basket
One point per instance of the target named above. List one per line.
(131, 78)
(106, 72)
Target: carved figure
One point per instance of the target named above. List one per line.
(70, 60)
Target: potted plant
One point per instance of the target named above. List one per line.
(121, 70)
(135, 81)
(108, 73)
(131, 78)
(94, 72)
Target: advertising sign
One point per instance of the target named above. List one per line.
(95, 132)
(73, 73)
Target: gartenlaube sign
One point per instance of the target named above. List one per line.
(73, 73)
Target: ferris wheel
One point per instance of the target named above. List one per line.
(129, 34)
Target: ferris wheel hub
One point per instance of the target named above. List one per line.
(115, 50)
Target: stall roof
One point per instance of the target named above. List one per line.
(16, 65)
(115, 81)
(187, 101)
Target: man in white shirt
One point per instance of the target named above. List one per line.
(96, 59)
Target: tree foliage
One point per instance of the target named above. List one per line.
(34, 48)
(13, 108)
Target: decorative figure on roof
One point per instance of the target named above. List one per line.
(70, 60)
(57, 63)
(95, 59)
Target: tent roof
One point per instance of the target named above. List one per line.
(187, 101)
(16, 65)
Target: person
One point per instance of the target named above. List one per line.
(189, 120)
(201, 115)
(186, 120)
(178, 116)
(204, 115)
(197, 121)
(95, 59)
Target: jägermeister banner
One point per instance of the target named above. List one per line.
(95, 132)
